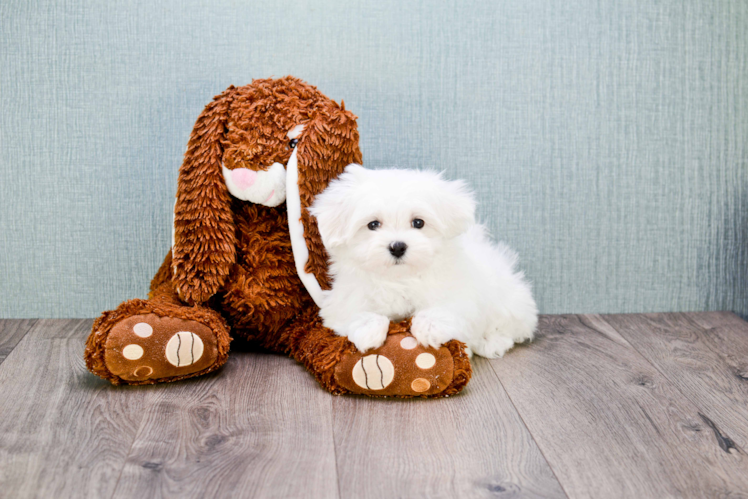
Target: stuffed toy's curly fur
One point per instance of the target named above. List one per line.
(247, 257)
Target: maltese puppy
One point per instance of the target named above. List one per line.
(405, 243)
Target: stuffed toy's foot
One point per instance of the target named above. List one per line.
(143, 343)
(403, 368)
(399, 368)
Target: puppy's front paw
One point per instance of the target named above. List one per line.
(434, 328)
(368, 331)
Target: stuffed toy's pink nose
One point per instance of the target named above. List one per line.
(243, 177)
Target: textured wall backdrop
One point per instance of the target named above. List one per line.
(608, 141)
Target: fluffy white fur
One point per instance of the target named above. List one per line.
(452, 279)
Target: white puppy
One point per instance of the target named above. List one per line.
(405, 243)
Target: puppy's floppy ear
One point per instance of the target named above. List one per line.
(329, 143)
(334, 207)
(454, 209)
(204, 239)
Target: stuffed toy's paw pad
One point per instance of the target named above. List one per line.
(401, 367)
(150, 347)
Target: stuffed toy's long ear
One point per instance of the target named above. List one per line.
(204, 247)
(328, 145)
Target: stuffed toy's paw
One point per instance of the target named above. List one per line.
(404, 368)
(146, 346)
(142, 344)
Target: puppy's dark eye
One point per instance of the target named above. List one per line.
(293, 143)
(374, 225)
(418, 223)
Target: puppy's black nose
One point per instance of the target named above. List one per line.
(397, 249)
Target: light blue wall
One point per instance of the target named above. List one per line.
(608, 140)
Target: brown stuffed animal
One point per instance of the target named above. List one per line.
(247, 256)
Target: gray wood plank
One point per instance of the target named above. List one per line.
(705, 355)
(11, 333)
(64, 432)
(471, 445)
(259, 428)
(609, 423)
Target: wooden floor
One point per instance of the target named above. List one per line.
(598, 406)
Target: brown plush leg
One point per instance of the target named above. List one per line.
(399, 368)
(156, 340)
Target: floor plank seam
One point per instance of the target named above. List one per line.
(129, 449)
(542, 453)
(34, 321)
(335, 442)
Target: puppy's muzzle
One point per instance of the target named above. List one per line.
(397, 249)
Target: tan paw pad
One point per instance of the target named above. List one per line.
(409, 343)
(184, 349)
(373, 372)
(143, 371)
(132, 352)
(143, 330)
(420, 385)
(425, 360)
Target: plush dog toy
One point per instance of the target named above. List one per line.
(247, 256)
